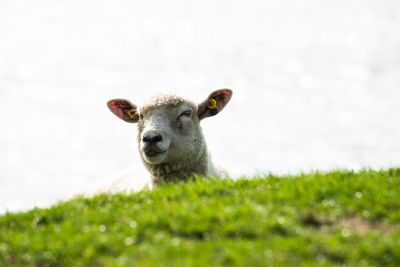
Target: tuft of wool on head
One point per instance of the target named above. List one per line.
(163, 100)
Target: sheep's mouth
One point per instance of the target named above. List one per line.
(154, 156)
(152, 153)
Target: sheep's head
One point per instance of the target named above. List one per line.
(169, 129)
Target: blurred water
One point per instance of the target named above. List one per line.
(316, 86)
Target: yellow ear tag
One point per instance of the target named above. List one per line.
(212, 103)
(132, 114)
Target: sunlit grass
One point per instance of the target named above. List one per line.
(335, 218)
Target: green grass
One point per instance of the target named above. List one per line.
(319, 219)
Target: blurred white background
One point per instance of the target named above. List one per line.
(316, 86)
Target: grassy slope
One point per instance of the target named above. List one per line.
(316, 219)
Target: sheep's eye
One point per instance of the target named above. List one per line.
(140, 116)
(187, 113)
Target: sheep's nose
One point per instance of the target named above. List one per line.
(152, 137)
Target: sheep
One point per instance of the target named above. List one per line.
(170, 139)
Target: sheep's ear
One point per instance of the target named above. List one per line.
(124, 110)
(214, 104)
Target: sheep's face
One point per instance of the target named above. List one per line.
(169, 128)
(167, 133)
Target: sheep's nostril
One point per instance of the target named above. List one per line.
(155, 139)
(152, 138)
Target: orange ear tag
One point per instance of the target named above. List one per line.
(212, 103)
(132, 114)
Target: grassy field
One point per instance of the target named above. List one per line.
(319, 219)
